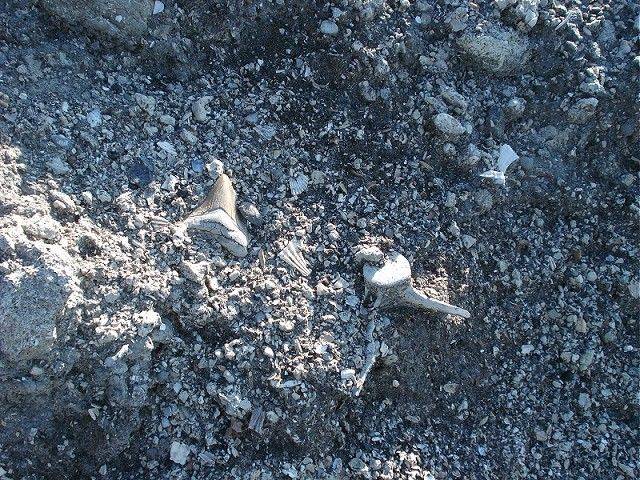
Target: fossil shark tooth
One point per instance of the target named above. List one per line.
(292, 256)
(217, 215)
(506, 157)
(392, 285)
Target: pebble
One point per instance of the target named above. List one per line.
(179, 452)
(94, 118)
(447, 125)
(329, 27)
(58, 166)
(584, 400)
(527, 349)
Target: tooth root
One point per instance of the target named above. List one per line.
(418, 299)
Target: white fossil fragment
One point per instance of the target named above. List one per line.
(217, 215)
(372, 352)
(298, 184)
(158, 7)
(507, 157)
(391, 284)
(292, 256)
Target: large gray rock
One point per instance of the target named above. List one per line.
(125, 20)
(35, 303)
(496, 50)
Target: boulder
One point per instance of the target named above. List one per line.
(34, 301)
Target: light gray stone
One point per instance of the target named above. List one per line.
(33, 303)
(498, 51)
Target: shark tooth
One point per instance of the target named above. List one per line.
(217, 215)
(292, 256)
(392, 285)
(505, 158)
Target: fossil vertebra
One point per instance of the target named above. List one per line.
(391, 284)
(291, 256)
(217, 215)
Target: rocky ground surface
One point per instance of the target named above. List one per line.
(129, 350)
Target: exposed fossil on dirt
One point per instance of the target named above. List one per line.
(391, 284)
(505, 158)
(217, 216)
(292, 256)
(348, 129)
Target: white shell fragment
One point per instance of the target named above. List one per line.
(292, 256)
(298, 184)
(507, 157)
(391, 284)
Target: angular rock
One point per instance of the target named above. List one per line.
(33, 303)
(124, 20)
(447, 125)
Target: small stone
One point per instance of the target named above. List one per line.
(369, 254)
(58, 166)
(179, 453)
(167, 120)
(583, 110)
(286, 326)
(581, 325)
(468, 241)
(158, 7)
(447, 125)
(94, 118)
(584, 400)
(541, 435)
(146, 103)
(188, 137)
(496, 50)
(527, 349)
(200, 109)
(450, 387)
(329, 27)
(586, 359)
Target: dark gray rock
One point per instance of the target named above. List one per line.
(124, 20)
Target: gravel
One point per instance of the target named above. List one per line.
(351, 134)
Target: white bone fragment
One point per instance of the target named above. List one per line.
(392, 286)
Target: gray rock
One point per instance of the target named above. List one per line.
(583, 110)
(447, 125)
(125, 20)
(496, 50)
(179, 453)
(329, 27)
(33, 303)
